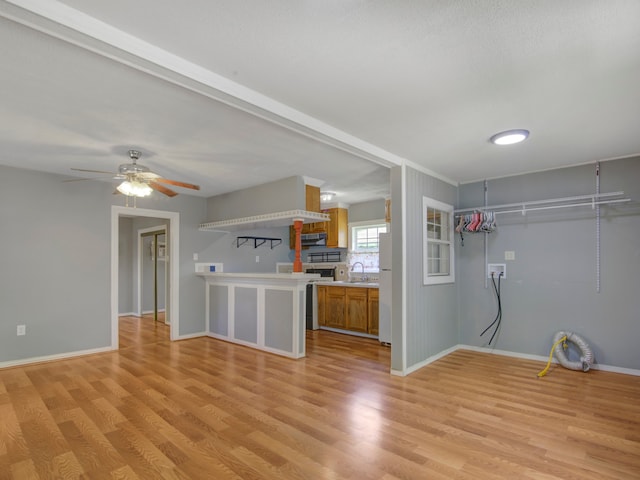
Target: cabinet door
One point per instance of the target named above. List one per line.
(322, 304)
(319, 227)
(312, 198)
(335, 307)
(357, 310)
(372, 305)
(337, 228)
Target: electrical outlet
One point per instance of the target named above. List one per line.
(509, 255)
(195, 257)
(21, 330)
(497, 269)
(257, 258)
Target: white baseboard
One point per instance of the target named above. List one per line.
(148, 312)
(130, 314)
(349, 332)
(545, 359)
(424, 363)
(190, 335)
(58, 356)
(506, 353)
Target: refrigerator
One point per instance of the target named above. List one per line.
(384, 312)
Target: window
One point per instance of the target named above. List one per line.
(437, 233)
(364, 243)
(365, 238)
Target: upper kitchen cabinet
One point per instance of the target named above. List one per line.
(337, 228)
(312, 198)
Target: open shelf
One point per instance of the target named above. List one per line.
(257, 241)
(269, 220)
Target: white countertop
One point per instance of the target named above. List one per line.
(349, 284)
(261, 276)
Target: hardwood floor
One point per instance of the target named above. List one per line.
(206, 409)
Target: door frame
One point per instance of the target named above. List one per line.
(140, 240)
(173, 241)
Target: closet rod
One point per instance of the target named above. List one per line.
(593, 200)
(550, 207)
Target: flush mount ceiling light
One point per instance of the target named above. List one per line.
(134, 188)
(509, 137)
(326, 196)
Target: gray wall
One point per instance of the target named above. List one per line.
(366, 211)
(551, 284)
(222, 247)
(431, 315)
(55, 262)
(279, 196)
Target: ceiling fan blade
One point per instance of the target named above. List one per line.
(162, 189)
(177, 184)
(93, 171)
(83, 179)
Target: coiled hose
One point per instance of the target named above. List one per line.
(586, 359)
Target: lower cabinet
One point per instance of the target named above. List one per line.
(356, 300)
(372, 309)
(321, 292)
(348, 308)
(335, 311)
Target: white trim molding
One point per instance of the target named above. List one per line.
(506, 353)
(54, 357)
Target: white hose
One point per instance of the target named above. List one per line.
(586, 360)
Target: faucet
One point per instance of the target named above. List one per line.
(364, 277)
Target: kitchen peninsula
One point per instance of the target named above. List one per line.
(265, 311)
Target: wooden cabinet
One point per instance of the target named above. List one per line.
(335, 303)
(372, 310)
(312, 204)
(348, 308)
(337, 229)
(357, 311)
(312, 198)
(321, 293)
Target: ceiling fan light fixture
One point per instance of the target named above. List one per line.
(509, 137)
(326, 196)
(133, 188)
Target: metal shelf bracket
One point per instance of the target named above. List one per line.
(257, 241)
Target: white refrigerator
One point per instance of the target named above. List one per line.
(384, 313)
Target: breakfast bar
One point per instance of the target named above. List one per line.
(265, 311)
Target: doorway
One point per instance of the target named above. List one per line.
(152, 273)
(172, 259)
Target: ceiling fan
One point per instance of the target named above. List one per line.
(139, 181)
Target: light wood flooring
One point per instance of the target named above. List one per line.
(206, 409)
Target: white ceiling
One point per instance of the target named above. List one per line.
(230, 94)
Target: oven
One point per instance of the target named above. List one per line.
(325, 274)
